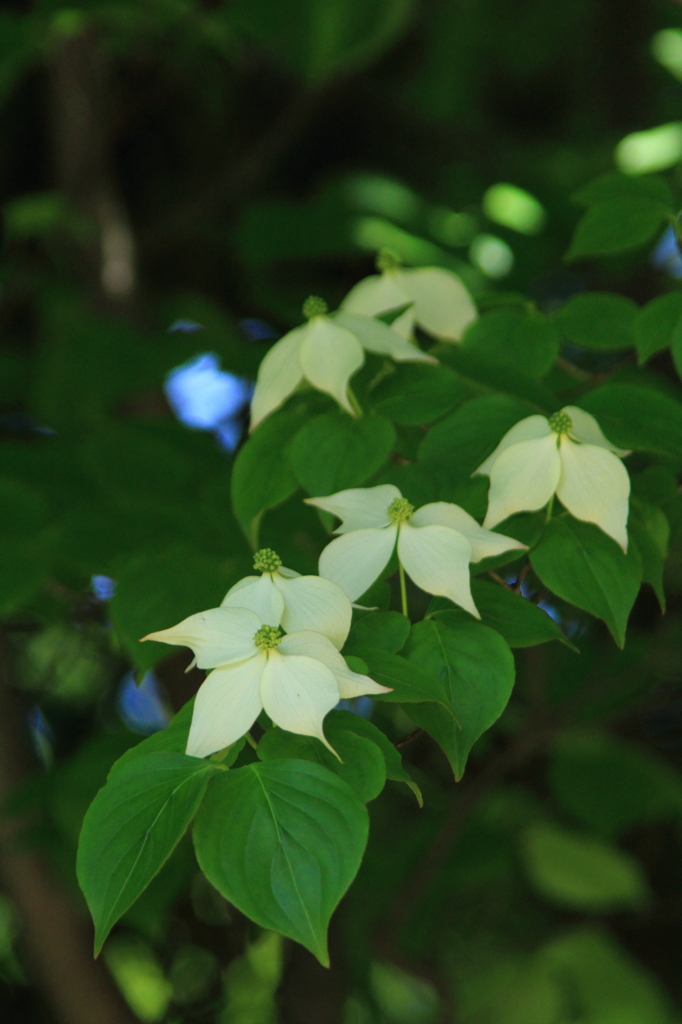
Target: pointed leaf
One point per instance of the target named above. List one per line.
(476, 669)
(408, 680)
(581, 565)
(334, 452)
(638, 417)
(616, 225)
(132, 827)
(521, 623)
(282, 841)
(386, 630)
(598, 320)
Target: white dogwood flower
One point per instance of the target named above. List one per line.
(440, 303)
(566, 455)
(435, 543)
(326, 351)
(282, 597)
(297, 678)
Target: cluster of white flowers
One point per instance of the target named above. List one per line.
(274, 642)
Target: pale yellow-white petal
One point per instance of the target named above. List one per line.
(279, 375)
(377, 337)
(523, 479)
(260, 595)
(218, 636)
(442, 305)
(595, 486)
(297, 693)
(484, 543)
(587, 430)
(313, 645)
(226, 706)
(524, 430)
(359, 508)
(377, 294)
(311, 602)
(329, 356)
(437, 559)
(357, 559)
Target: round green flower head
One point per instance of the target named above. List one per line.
(267, 637)
(560, 422)
(314, 306)
(400, 510)
(388, 259)
(266, 560)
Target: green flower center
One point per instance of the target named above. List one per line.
(400, 510)
(314, 306)
(267, 637)
(388, 259)
(266, 560)
(560, 422)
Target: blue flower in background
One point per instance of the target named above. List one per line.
(666, 256)
(185, 327)
(205, 397)
(141, 707)
(103, 587)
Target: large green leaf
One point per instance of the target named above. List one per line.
(637, 417)
(510, 377)
(262, 476)
(282, 841)
(459, 444)
(409, 681)
(598, 320)
(418, 393)
(581, 565)
(655, 324)
(362, 764)
(616, 225)
(511, 339)
(395, 769)
(386, 630)
(615, 185)
(581, 872)
(333, 452)
(476, 670)
(132, 827)
(521, 623)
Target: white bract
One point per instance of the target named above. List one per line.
(297, 678)
(440, 303)
(566, 455)
(281, 597)
(326, 351)
(435, 543)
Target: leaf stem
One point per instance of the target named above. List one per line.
(250, 740)
(357, 408)
(550, 506)
(403, 589)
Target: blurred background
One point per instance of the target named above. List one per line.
(176, 177)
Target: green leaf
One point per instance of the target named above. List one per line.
(581, 872)
(463, 440)
(476, 670)
(616, 225)
(132, 827)
(408, 681)
(262, 477)
(282, 841)
(655, 323)
(159, 589)
(513, 338)
(508, 377)
(637, 417)
(334, 451)
(521, 623)
(651, 532)
(386, 630)
(418, 393)
(624, 186)
(598, 320)
(362, 764)
(581, 565)
(395, 769)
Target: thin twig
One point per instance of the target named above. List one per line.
(408, 739)
(498, 579)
